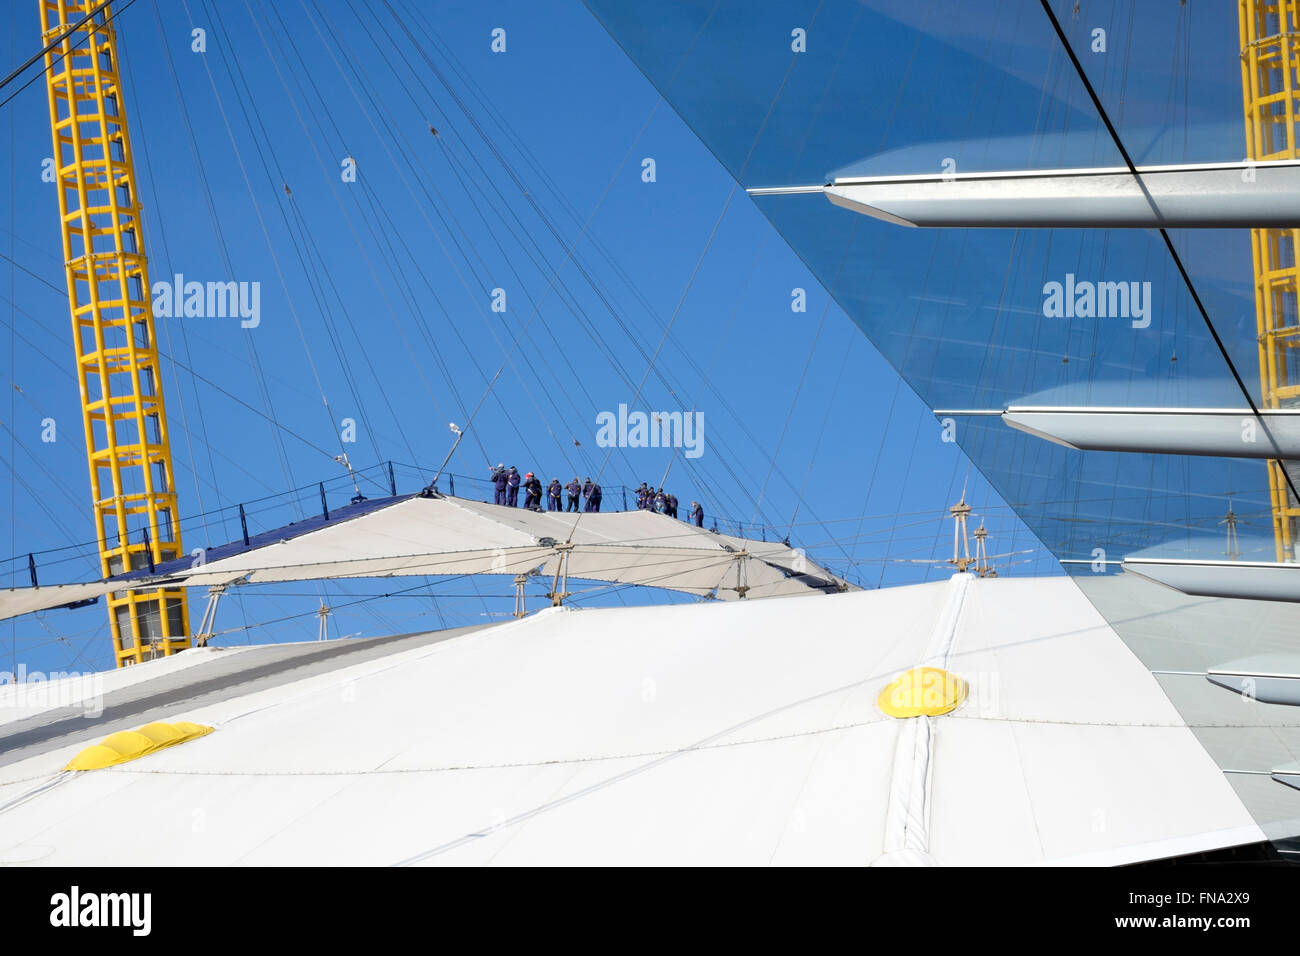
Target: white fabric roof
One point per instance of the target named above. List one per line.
(418, 536)
(458, 536)
(740, 733)
(16, 601)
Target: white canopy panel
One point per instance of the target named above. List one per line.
(16, 601)
(457, 536)
(450, 536)
(740, 733)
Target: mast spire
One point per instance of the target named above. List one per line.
(961, 558)
(131, 479)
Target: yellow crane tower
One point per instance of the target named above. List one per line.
(125, 423)
(1270, 66)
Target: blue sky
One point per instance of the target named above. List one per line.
(376, 298)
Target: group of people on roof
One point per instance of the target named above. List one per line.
(582, 495)
(649, 498)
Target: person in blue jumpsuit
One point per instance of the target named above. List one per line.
(553, 495)
(532, 492)
(499, 483)
(586, 494)
(574, 488)
(671, 506)
(697, 514)
(512, 488)
(641, 494)
(593, 499)
(660, 501)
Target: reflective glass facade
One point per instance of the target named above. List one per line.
(883, 87)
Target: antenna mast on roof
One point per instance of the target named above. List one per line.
(1231, 521)
(961, 558)
(982, 566)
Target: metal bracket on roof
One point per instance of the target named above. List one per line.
(742, 573)
(560, 583)
(520, 581)
(209, 615)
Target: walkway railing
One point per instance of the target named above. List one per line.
(244, 520)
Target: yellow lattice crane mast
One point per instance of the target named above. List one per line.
(1270, 86)
(113, 329)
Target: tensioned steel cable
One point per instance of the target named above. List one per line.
(570, 248)
(275, 261)
(723, 456)
(388, 256)
(255, 361)
(458, 238)
(76, 45)
(186, 368)
(1164, 234)
(310, 259)
(571, 253)
(57, 41)
(183, 327)
(717, 224)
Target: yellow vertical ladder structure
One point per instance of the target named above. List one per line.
(1270, 86)
(113, 329)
